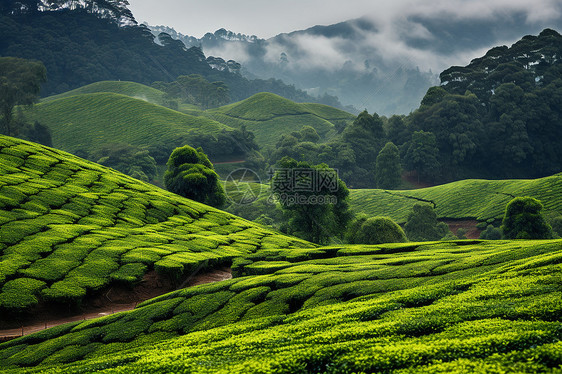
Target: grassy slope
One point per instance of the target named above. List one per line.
(468, 199)
(431, 307)
(69, 226)
(89, 120)
(269, 116)
(131, 89)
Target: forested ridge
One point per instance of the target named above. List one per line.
(100, 40)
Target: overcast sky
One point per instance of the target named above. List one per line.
(267, 18)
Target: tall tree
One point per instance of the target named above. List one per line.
(421, 155)
(20, 83)
(313, 198)
(388, 169)
(190, 174)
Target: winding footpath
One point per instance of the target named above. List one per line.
(108, 308)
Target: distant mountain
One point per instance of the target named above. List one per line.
(365, 63)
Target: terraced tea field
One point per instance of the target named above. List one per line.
(270, 116)
(465, 306)
(69, 227)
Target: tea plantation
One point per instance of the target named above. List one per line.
(69, 227)
(464, 306)
(270, 116)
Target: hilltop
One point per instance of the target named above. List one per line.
(69, 228)
(131, 89)
(432, 307)
(270, 116)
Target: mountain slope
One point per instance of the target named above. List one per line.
(69, 227)
(437, 307)
(270, 116)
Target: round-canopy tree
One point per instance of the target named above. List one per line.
(190, 174)
(422, 224)
(523, 220)
(375, 230)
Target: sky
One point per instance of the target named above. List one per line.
(267, 18)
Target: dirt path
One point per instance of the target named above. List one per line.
(113, 300)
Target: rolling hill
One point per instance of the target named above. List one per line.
(434, 307)
(70, 228)
(90, 120)
(476, 199)
(131, 89)
(270, 116)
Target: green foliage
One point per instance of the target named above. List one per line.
(127, 159)
(523, 220)
(375, 230)
(491, 233)
(190, 174)
(387, 168)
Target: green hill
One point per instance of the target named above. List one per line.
(69, 227)
(270, 116)
(131, 89)
(477, 199)
(438, 307)
(89, 121)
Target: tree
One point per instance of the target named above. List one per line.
(313, 198)
(190, 174)
(20, 83)
(388, 169)
(422, 224)
(523, 220)
(375, 230)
